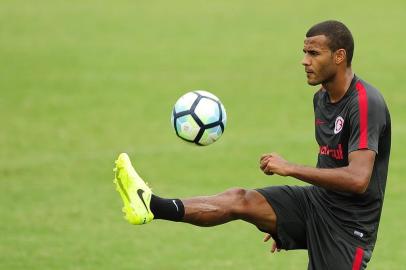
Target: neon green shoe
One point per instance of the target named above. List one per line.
(134, 192)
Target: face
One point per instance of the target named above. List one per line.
(318, 60)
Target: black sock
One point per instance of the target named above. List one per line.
(169, 209)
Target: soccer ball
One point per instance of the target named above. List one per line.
(199, 117)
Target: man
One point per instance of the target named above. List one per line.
(336, 218)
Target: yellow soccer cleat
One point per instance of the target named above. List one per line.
(134, 192)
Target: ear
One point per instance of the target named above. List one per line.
(340, 56)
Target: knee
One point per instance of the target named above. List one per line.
(236, 193)
(238, 200)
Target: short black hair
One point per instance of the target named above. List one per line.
(338, 34)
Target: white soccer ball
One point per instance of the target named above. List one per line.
(199, 117)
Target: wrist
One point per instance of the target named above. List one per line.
(290, 169)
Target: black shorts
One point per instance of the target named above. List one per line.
(301, 226)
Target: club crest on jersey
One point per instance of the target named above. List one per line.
(339, 124)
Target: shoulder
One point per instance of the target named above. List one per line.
(367, 96)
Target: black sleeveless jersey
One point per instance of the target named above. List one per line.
(360, 120)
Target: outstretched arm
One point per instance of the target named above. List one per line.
(352, 178)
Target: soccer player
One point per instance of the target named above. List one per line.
(335, 218)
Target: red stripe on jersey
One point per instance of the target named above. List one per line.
(363, 115)
(356, 264)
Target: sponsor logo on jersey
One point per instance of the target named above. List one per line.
(339, 124)
(319, 122)
(334, 153)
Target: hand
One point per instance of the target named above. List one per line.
(273, 163)
(274, 246)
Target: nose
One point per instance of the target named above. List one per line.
(306, 60)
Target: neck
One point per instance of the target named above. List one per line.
(338, 86)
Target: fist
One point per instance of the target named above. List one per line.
(274, 164)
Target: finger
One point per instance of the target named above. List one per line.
(263, 165)
(273, 247)
(268, 169)
(264, 156)
(265, 161)
(267, 237)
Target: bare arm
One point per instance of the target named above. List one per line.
(352, 178)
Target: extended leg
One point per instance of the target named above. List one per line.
(235, 203)
(141, 206)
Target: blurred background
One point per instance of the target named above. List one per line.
(82, 81)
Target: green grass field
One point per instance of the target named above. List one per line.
(81, 81)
